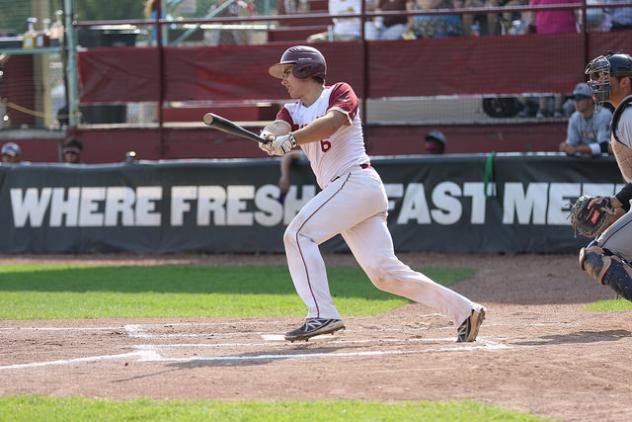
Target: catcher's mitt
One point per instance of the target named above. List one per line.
(590, 221)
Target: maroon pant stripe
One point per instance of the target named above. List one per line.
(299, 245)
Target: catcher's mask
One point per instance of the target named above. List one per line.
(307, 63)
(601, 68)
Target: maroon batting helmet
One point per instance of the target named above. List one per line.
(307, 63)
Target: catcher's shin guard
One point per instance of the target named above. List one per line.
(608, 269)
(594, 261)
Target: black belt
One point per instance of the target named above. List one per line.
(366, 166)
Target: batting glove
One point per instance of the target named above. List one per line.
(284, 143)
(267, 136)
(269, 149)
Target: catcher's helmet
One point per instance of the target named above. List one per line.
(601, 68)
(307, 63)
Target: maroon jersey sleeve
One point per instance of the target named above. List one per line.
(284, 115)
(343, 99)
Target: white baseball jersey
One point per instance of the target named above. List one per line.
(332, 157)
(352, 203)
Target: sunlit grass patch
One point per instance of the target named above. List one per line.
(32, 291)
(35, 409)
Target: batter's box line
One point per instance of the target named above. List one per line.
(151, 353)
(324, 339)
(156, 357)
(140, 355)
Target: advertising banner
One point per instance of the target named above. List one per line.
(453, 203)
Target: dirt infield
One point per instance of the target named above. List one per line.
(537, 352)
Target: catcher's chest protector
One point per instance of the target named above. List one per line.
(622, 152)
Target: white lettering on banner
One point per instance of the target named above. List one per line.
(598, 189)
(246, 205)
(68, 207)
(449, 208)
(181, 197)
(525, 205)
(414, 205)
(119, 201)
(476, 190)
(270, 209)
(146, 198)
(560, 196)
(211, 200)
(89, 215)
(237, 197)
(29, 206)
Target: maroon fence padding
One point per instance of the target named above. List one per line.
(602, 42)
(241, 72)
(110, 75)
(428, 67)
(476, 65)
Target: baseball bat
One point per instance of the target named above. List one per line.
(225, 125)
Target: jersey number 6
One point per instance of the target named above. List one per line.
(325, 145)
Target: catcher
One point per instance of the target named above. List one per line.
(607, 257)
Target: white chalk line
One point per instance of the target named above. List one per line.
(61, 328)
(287, 356)
(140, 354)
(151, 352)
(314, 340)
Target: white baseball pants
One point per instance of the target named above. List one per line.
(355, 205)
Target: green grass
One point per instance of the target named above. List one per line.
(34, 409)
(610, 305)
(30, 291)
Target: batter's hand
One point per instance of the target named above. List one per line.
(269, 149)
(266, 136)
(284, 143)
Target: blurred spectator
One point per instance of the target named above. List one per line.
(292, 6)
(151, 12)
(478, 24)
(433, 26)
(11, 153)
(343, 29)
(224, 8)
(501, 23)
(588, 130)
(130, 157)
(391, 27)
(72, 151)
(596, 18)
(621, 17)
(435, 142)
(553, 21)
(550, 106)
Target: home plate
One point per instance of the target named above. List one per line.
(280, 337)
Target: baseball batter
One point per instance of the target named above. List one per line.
(607, 259)
(324, 122)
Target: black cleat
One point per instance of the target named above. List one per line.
(314, 327)
(469, 329)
